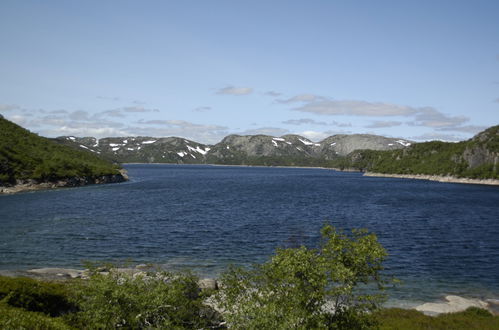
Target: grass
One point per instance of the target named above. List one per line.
(409, 319)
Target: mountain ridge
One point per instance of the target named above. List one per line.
(232, 149)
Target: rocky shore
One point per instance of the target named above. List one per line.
(450, 303)
(32, 185)
(437, 178)
(62, 274)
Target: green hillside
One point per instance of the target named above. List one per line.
(476, 158)
(25, 156)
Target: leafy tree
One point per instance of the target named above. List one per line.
(334, 286)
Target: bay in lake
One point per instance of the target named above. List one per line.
(442, 238)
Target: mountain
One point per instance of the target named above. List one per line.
(475, 158)
(233, 149)
(141, 149)
(26, 158)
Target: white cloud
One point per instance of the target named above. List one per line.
(108, 98)
(98, 132)
(302, 98)
(122, 112)
(304, 121)
(437, 136)
(201, 109)
(473, 129)
(197, 132)
(231, 90)
(383, 124)
(356, 108)
(18, 119)
(335, 123)
(430, 117)
(79, 115)
(9, 107)
(273, 94)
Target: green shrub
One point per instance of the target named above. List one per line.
(302, 288)
(36, 296)
(18, 318)
(158, 300)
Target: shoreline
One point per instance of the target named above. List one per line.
(448, 303)
(32, 185)
(437, 178)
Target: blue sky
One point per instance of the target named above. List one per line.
(418, 70)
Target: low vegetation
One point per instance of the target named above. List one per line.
(334, 286)
(408, 319)
(25, 155)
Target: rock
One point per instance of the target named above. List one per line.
(208, 284)
(454, 304)
(493, 306)
(142, 266)
(57, 272)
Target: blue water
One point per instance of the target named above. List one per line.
(442, 238)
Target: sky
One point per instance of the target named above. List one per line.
(419, 70)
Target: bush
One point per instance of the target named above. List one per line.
(36, 296)
(18, 318)
(159, 300)
(302, 288)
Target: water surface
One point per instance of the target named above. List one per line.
(443, 238)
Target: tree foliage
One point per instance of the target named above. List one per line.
(334, 286)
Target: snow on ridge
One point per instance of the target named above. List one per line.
(115, 148)
(275, 143)
(278, 139)
(333, 144)
(181, 153)
(114, 144)
(85, 147)
(148, 142)
(72, 138)
(198, 149)
(404, 143)
(125, 141)
(305, 142)
(390, 144)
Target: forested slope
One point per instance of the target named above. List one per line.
(27, 156)
(476, 158)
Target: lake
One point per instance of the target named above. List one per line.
(442, 238)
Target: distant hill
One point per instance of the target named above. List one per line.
(233, 149)
(28, 158)
(475, 158)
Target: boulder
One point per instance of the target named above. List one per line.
(453, 304)
(208, 284)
